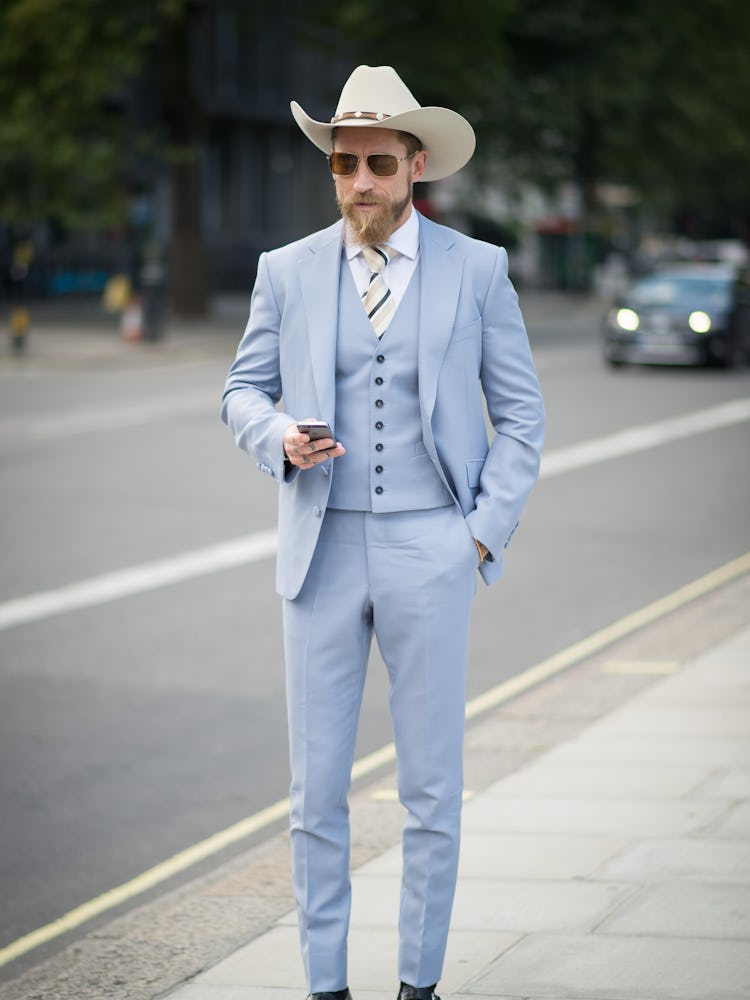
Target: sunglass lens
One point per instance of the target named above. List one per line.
(382, 164)
(343, 163)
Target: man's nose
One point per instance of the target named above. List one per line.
(363, 180)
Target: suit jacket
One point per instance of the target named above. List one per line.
(472, 343)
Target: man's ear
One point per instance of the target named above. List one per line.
(418, 164)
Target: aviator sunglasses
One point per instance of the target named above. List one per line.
(379, 164)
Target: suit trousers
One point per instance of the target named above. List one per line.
(410, 578)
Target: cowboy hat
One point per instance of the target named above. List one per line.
(376, 97)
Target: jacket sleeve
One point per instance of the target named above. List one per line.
(514, 405)
(253, 386)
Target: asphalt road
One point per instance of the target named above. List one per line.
(133, 728)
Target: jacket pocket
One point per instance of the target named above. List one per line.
(473, 472)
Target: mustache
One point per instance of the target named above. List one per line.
(352, 200)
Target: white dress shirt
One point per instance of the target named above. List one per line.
(400, 268)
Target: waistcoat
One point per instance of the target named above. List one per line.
(386, 467)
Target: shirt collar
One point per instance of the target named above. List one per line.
(405, 239)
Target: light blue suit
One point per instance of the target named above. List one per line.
(407, 575)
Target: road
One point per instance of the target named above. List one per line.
(134, 727)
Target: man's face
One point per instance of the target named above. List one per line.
(373, 207)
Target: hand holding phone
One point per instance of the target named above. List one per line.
(302, 443)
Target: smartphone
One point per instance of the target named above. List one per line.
(316, 429)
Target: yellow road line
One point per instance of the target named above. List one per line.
(146, 880)
(503, 692)
(606, 636)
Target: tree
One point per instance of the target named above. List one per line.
(69, 143)
(652, 95)
(64, 69)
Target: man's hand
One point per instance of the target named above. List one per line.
(301, 451)
(482, 550)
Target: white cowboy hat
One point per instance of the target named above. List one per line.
(376, 97)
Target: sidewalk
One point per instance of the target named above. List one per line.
(81, 334)
(614, 867)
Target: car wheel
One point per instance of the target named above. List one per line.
(612, 360)
(737, 354)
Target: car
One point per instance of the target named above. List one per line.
(691, 314)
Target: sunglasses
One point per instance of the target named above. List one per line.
(379, 164)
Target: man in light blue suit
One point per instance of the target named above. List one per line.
(396, 333)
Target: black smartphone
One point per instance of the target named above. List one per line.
(316, 429)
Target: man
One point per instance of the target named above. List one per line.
(384, 521)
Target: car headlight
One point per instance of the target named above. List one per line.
(627, 319)
(699, 321)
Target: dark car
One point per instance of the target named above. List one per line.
(693, 314)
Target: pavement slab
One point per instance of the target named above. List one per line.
(630, 781)
(658, 750)
(734, 823)
(692, 910)
(680, 859)
(733, 783)
(597, 816)
(591, 967)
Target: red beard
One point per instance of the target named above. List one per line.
(372, 227)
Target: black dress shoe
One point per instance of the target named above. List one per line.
(417, 992)
(331, 995)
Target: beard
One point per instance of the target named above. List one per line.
(367, 228)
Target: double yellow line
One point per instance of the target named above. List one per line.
(498, 695)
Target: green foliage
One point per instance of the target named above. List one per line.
(64, 69)
(655, 95)
(68, 74)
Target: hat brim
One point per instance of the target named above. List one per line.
(448, 138)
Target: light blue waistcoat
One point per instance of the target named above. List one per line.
(386, 467)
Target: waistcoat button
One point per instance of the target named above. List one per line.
(379, 402)
(379, 425)
(378, 489)
(380, 359)
(378, 469)
(378, 381)
(379, 446)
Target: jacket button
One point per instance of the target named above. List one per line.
(379, 425)
(379, 403)
(378, 490)
(378, 469)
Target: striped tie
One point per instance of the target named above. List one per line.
(377, 299)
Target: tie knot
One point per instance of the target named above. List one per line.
(377, 256)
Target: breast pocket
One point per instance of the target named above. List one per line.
(466, 331)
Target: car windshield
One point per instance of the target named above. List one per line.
(688, 291)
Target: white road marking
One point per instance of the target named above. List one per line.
(642, 438)
(138, 579)
(252, 548)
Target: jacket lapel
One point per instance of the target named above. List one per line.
(319, 281)
(441, 274)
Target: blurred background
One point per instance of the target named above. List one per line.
(154, 140)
